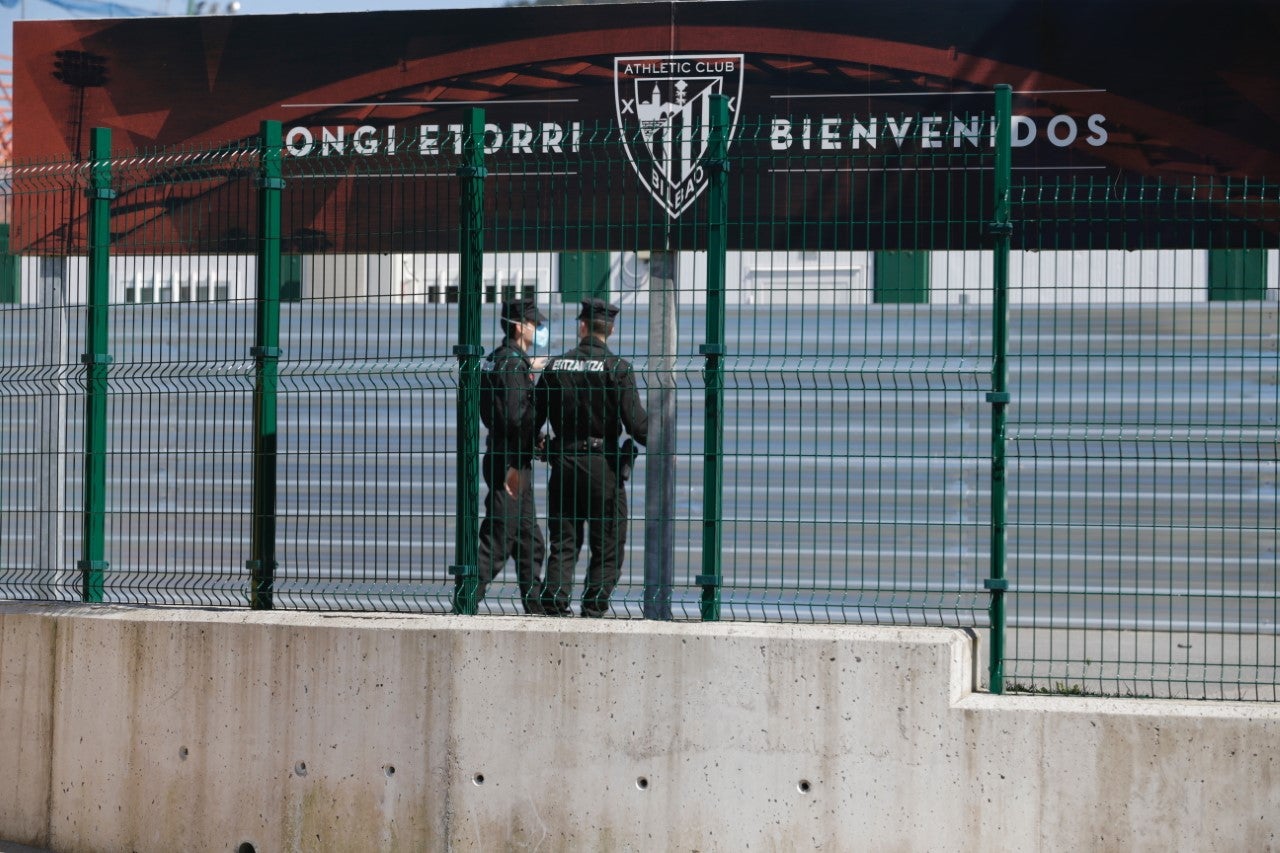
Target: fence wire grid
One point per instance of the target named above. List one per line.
(282, 353)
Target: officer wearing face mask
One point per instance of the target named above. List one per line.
(510, 528)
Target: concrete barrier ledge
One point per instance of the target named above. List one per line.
(161, 729)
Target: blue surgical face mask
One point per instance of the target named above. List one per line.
(541, 336)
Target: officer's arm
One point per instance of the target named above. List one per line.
(517, 397)
(489, 396)
(502, 406)
(634, 417)
(541, 400)
(544, 393)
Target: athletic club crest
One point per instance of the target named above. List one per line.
(664, 112)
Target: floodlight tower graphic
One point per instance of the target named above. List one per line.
(81, 71)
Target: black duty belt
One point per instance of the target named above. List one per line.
(583, 445)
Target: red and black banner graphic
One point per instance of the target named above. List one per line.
(839, 110)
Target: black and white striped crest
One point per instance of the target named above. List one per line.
(664, 113)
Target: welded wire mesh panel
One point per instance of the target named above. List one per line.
(182, 285)
(41, 383)
(174, 349)
(368, 381)
(1143, 506)
(857, 438)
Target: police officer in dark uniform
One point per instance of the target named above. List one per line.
(510, 527)
(589, 395)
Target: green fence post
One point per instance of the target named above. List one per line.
(1001, 229)
(471, 272)
(93, 565)
(266, 357)
(714, 351)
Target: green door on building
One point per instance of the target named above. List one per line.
(10, 289)
(900, 277)
(1237, 275)
(584, 274)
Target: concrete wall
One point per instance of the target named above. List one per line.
(158, 730)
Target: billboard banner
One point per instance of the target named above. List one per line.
(614, 100)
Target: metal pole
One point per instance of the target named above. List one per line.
(1001, 230)
(469, 351)
(266, 357)
(51, 411)
(93, 564)
(660, 453)
(714, 351)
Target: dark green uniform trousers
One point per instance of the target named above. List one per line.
(510, 532)
(585, 491)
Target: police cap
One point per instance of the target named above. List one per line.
(523, 311)
(597, 309)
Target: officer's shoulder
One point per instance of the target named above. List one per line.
(506, 353)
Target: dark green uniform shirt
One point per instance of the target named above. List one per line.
(507, 405)
(591, 393)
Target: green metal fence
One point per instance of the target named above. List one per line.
(1148, 397)
(892, 384)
